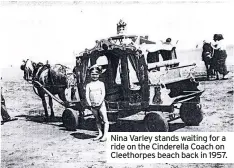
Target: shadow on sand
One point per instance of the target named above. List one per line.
(121, 125)
(124, 125)
(40, 119)
(82, 136)
(176, 126)
(204, 78)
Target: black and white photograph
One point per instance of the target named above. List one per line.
(73, 72)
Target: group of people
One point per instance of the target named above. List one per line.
(95, 90)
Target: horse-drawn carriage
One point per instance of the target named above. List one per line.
(138, 76)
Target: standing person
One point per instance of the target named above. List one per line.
(5, 116)
(220, 55)
(95, 94)
(4, 113)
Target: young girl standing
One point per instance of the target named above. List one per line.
(95, 94)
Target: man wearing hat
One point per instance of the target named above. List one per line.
(95, 94)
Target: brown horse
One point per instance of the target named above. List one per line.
(52, 78)
(207, 57)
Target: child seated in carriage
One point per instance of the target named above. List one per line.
(95, 94)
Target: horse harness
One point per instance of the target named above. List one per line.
(50, 79)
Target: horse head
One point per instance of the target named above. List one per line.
(207, 57)
(207, 51)
(207, 47)
(28, 68)
(36, 68)
(22, 67)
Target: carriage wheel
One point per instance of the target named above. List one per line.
(70, 119)
(191, 113)
(155, 122)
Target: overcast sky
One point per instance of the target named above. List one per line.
(53, 31)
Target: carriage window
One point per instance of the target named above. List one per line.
(133, 79)
(89, 62)
(166, 54)
(152, 57)
(118, 79)
(110, 68)
(102, 60)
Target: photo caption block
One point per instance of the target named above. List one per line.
(180, 147)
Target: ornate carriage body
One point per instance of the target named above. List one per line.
(137, 80)
(128, 67)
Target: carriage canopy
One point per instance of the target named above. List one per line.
(126, 62)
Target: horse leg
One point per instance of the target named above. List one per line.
(27, 75)
(63, 97)
(45, 107)
(42, 96)
(51, 107)
(217, 75)
(207, 71)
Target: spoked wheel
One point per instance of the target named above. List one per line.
(70, 119)
(191, 113)
(155, 122)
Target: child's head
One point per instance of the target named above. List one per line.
(95, 72)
